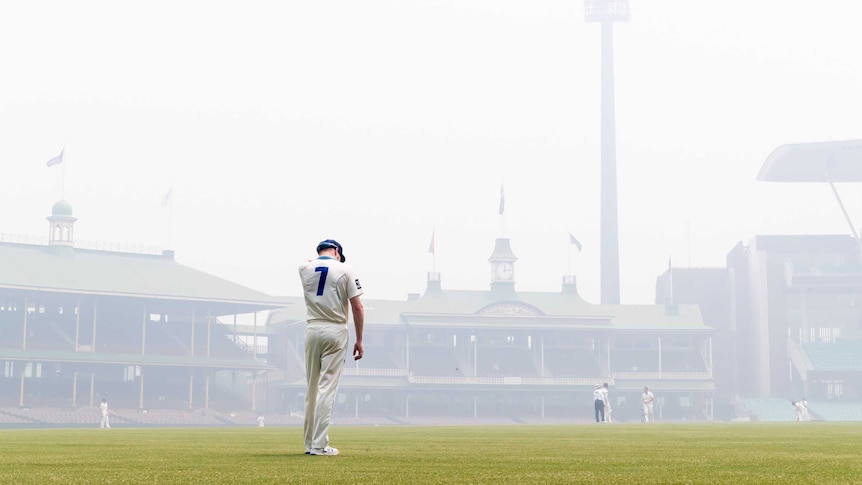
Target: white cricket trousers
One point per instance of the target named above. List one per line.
(648, 413)
(325, 351)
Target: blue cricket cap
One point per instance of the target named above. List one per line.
(331, 243)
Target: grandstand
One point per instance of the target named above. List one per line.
(170, 346)
(501, 354)
(768, 409)
(787, 315)
(150, 335)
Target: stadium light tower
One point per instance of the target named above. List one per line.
(607, 12)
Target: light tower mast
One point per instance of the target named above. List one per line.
(607, 12)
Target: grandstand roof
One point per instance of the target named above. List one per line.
(810, 162)
(57, 269)
(456, 308)
(133, 359)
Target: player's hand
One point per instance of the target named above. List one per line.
(358, 351)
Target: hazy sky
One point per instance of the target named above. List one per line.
(379, 122)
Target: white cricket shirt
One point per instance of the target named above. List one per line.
(328, 285)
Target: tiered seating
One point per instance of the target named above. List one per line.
(835, 410)
(135, 418)
(122, 337)
(46, 332)
(634, 360)
(837, 356)
(162, 340)
(9, 388)
(160, 417)
(434, 361)
(571, 363)
(770, 408)
(12, 417)
(506, 362)
(377, 358)
(223, 346)
(682, 361)
(363, 421)
(65, 415)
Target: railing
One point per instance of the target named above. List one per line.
(692, 376)
(511, 380)
(248, 348)
(544, 381)
(414, 379)
(352, 371)
(81, 244)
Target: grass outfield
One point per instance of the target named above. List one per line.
(734, 453)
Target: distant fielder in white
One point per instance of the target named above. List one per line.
(329, 285)
(103, 410)
(608, 410)
(648, 399)
(801, 408)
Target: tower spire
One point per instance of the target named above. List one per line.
(607, 12)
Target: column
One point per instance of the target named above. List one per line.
(191, 391)
(77, 323)
(144, 332)
(207, 392)
(254, 391)
(75, 388)
(141, 392)
(24, 338)
(192, 343)
(21, 389)
(209, 331)
(659, 357)
(95, 313)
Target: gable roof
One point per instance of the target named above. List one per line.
(460, 308)
(62, 269)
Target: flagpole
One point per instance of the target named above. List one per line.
(63, 177)
(170, 217)
(434, 251)
(569, 267)
(502, 211)
(168, 201)
(670, 281)
(54, 161)
(688, 240)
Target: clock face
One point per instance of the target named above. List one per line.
(505, 271)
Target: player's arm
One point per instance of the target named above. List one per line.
(359, 325)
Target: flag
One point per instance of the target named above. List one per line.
(669, 282)
(574, 241)
(431, 247)
(168, 196)
(57, 160)
(502, 200)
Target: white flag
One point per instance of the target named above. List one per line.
(57, 160)
(168, 196)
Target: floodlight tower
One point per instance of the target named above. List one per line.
(607, 12)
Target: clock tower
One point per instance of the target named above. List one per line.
(502, 266)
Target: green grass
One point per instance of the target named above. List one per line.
(760, 453)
